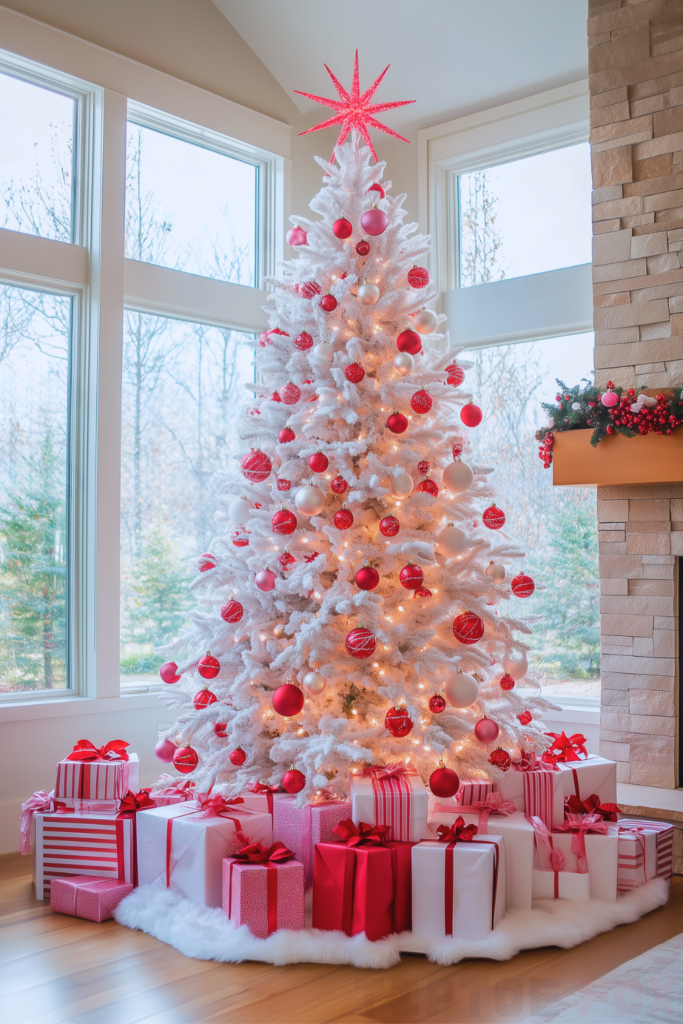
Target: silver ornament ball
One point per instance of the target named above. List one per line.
(457, 477)
(368, 294)
(462, 690)
(453, 541)
(404, 363)
(314, 683)
(425, 322)
(310, 501)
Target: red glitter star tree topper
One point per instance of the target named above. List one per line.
(354, 112)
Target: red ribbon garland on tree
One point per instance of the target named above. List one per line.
(84, 750)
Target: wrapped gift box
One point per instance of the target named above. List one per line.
(399, 800)
(266, 897)
(69, 844)
(471, 793)
(645, 851)
(602, 855)
(562, 885)
(96, 780)
(263, 799)
(182, 848)
(519, 846)
(300, 828)
(590, 775)
(169, 789)
(93, 899)
(538, 792)
(459, 889)
(362, 888)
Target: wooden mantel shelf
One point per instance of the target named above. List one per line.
(645, 459)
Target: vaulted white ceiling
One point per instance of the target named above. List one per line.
(452, 56)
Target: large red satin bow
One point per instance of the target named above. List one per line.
(255, 853)
(385, 771)
(580, 825)
(259, 787)
(458, 832)
(136, 801)
(213, 804)
(565, 748)
(361, 834)
(574, 805)
(84, 750)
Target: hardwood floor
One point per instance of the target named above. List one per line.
(59, 969)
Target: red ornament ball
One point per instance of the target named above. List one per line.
(206, 562)
(185, 760)
(411, 577)
(437, 704)
(303, 341)
(363, 247)
(275, 397)
(468, 628)
(354, 373)
(293, 781)
(418, 277)
(423, 467)
(343, 519)
(525, 717)
(208, 666)
(220, 729)
(203, 698)
(288, 700)
(290, 393)
(374, 222)
(342, 228)
(397, 423)
(339, 485)
(367, 578)
(308, 289)
(421, 402)
(444, 782)
(389, 526)
(522, 585)
(264, 336)
(240, 538)
(169, 672)
(397, 722)
(232, 611)
(285, 436)
(428, 487)
(318, 462)
(422, 592)
(471, 415)
(486, 730)
(328, 303)
(409, 341)
(283, 485)
(286, 559)
(493, 517)
(507, 682)
(237, 756)
(456, 374)
(284, 522)
(457, 449)
(256, 466)
(361, 643)
(376, 187)
(500, 759)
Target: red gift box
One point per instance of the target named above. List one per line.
(361, 885)
(93, 899)
(264, 889)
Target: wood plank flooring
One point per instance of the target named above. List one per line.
(60, 970)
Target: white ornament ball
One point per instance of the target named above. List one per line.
(404, 363)
(425, 322)
(238, 510)
(323, 352)
(457, 477)
(516, 667)
(576, 406)
(453, 541)
(496, 572)
(368, 294)
(310, 501)
(461, 690)
(314, 683)
(401, 486)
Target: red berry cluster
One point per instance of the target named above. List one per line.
(659, 417)
(545, 452)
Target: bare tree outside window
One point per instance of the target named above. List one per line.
(480, 238)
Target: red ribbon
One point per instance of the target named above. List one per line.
(581, 825)
(256, 853)
(565, 748)
(258, 787)
(268, 858)
(528, 761)
(213, 805)
(385, 771)
(608, 812)
(457, 833)
(361, 834)
(136, 801)
(205, 810)
(84, 750)
(495, 804)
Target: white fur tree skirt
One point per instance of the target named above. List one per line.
(206, 934)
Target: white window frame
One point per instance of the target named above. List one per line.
(110, 89)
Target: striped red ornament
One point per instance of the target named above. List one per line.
(522, 585)
(232, 611)
(468, 628)
(493, 517)
(361, 643)
(256, 466)
(418, 277)
(284, 522)
(290, 393)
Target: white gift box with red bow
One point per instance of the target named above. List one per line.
(391, 797)
(591, 775)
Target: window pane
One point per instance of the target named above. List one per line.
(525, 217)
(34, 382)
(556, 526)
(190, 208)
(36, 159)
(183, 388)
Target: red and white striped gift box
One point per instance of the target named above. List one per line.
(664, 833)
(96, 780)
(400, 801)
(473, 792)
(69, 844)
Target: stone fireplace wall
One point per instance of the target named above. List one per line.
(636, 90)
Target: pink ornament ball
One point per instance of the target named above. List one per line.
(296, 236)
(265, 580)
(169, 672)
(165, 749)
(609, 399)
(486, 731)
(374, 222)
(342, 228)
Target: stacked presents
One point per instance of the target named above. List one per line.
(393, 858)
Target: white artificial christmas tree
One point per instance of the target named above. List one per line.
(327, 490)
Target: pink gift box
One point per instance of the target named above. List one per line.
(93, 899)
(472, 792)
(300, 828)
(68, 844)
(96, 780)
(265, 897)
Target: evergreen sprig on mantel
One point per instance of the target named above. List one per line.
(627, 411)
